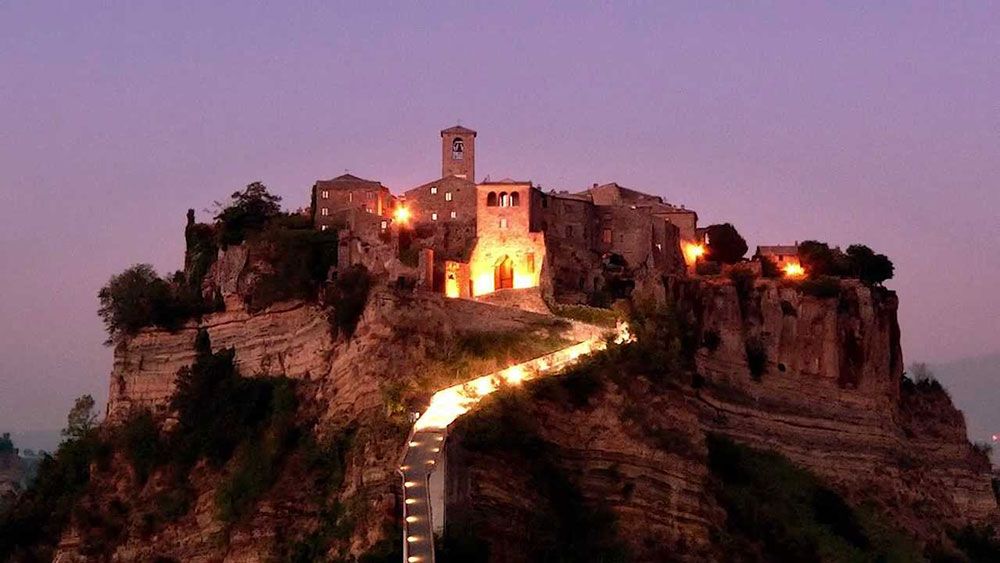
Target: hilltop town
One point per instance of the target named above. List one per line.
(489, 371)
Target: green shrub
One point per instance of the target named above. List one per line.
(724, 244)
(779, 512)
(349, 297)
(32, 525)
(139, 436)
(870, 268)
(248, 211)
(300, 260)
(138, 298)
(823, 287)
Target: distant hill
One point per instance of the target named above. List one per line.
(36, 440)
(974, 384)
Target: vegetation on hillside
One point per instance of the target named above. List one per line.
(777, 511)
(859, 261)
(292, 260)
(725, 244)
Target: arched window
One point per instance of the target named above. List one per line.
(504, 199)
(515, 199)
(457, 148)
(491, 199)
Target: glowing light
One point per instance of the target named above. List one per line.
(411, 501)
(794, 270)
(409, 484)
(692, 252)
(401, 215)
(411, 519)
(413, 559)
(435, 450)
(414, 444)
(412, 539)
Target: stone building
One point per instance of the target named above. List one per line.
(781, 254)
(468, 239)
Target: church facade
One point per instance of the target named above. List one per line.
(469, 240)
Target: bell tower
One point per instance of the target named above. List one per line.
(458, 153)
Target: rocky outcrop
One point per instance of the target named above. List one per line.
(816, 379)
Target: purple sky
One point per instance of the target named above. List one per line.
(844, 124)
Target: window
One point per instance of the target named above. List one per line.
(529, 262)
(326, 194)
(324, 212)
(545, 202)
(434, 190)
(323, 227)
(454, 214)
(385, 225)
(503, 223)
(504, 199)
(447, 196)
(350, 197)
(491, 199)
(515, 199)
(369, 196)
(434, 216)
(457, 148)
(607, 237)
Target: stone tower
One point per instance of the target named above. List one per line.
(458, 153)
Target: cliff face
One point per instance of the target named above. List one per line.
(343, 383)
(822, 386)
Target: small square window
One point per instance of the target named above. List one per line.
(326, 194)
(447, 196)
(385, 225)
(454, 214)
(434, 190)
(324, 212)
(434, 216)
(503, 223)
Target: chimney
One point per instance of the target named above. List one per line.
(595, 185)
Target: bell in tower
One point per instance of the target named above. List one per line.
(458, 153)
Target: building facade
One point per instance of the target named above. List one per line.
(474, 239)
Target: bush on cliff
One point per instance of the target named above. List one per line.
(31, 526)
(776, 511)
(725, 244)
(299, 259)
(138, 298)
(349, 296)
(858, 262)
(247, 212)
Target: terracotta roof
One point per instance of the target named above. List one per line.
(458, 129)
(347, 179)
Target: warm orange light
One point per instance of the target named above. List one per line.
(692, 252)
(794, 270)
(401, 215)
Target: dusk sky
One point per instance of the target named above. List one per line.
(843, 123)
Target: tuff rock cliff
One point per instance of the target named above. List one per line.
(819, 380)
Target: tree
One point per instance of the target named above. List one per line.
(819, 259)
(725, 244)
(81, 419)
(870, 267)
(248, 211)
(134, 299)
(6, 444)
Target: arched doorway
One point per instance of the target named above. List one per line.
(503, 274)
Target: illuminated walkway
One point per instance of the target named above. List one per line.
(423, 452)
